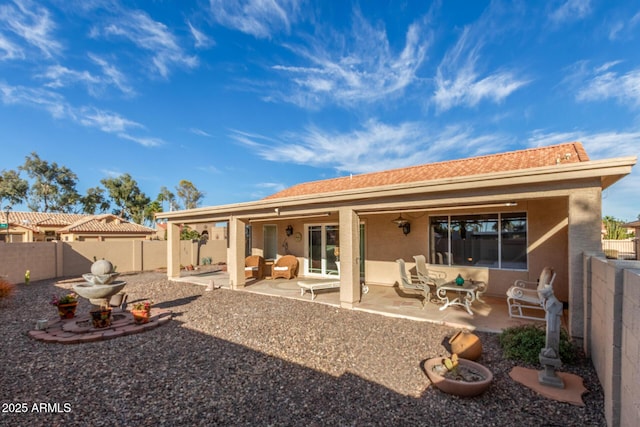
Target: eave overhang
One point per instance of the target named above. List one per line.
(607, 172)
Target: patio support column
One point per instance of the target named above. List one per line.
(349, 257)
(235, 253)
(173, 250)
(585, 223)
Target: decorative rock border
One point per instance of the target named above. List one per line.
(80, 329)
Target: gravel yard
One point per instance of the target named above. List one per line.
(237, 358)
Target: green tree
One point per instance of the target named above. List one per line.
(167, 196)
(54, 187)
(189, 194)
(614, 229)
(126, 195)
(94, 201)
(150, 210)
(13, 189)
(187, 233)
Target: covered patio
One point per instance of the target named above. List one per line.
(493, 219)
(489, 316)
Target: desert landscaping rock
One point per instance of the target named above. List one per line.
(237, 358)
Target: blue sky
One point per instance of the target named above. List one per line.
(246, 98)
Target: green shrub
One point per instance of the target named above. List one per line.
(525, 342)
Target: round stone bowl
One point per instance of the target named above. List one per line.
(100, 279)
(458, 388)
(90, 291)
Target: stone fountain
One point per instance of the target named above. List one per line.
(100, 284)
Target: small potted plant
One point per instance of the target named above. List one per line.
(101, 318)
(141, 312)
(66, 304)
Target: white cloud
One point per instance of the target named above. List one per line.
(56, 105)
(360, 67)
(111, 75)
(458, 82)
(152, 36)
(11, 50)
(570, 10)
(201, 39)
(105, 121)
(32, 23)
(199, 132)
(375, 146)
(605, 83)
(259, 18)
(267, 188)
(59, 76)
(144, 141)
(43, 99)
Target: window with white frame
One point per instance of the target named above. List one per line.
(497, 240)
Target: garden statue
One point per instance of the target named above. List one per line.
(550, 354)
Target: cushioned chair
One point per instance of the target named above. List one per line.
(285, 267)
(524, 297)
(254, 267)
(412, 283)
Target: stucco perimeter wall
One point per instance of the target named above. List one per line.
(47, 260)
(612, 334)
(37, 257)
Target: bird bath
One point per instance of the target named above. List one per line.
(100, 285)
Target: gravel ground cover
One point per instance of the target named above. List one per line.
(236, 358)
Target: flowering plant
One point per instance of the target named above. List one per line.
(66, 299)
(146, 305)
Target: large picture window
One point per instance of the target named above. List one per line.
(488, 240)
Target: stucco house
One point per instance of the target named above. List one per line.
(46, 226)
(495, 218)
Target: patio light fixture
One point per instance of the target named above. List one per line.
(403, 223)
(289, 230)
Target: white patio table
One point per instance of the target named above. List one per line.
(466, 293)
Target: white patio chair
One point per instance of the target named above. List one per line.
(524, 295)
(411, 282)
(432, 278)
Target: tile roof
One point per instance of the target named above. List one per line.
(45, 219)
(106, 223)
(76, 223)
(572, 152)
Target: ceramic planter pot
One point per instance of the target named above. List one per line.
(67, 311)
(101, 318)
(458, 387)
(466, 345)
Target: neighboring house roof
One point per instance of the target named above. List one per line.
(78, 223)
(634, 224)
(516, 160)
(105, 223)
(44, 219)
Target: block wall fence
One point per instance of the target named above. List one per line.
(612, 334)
(50, 260)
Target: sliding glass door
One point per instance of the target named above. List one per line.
(324, 249)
